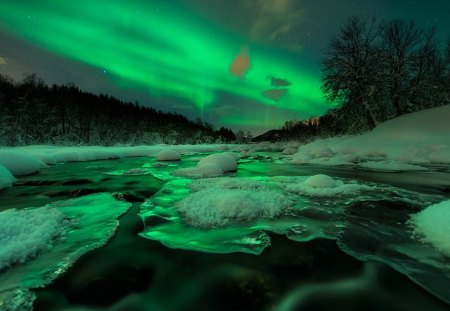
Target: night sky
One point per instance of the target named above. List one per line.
(243, 64)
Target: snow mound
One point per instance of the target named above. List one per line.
(225, 161)
(232, 154)
(320, 181)
(289, 151)
(6, 179)
(168, 155)
(213, 165)
(19, 164)
(218, 206)
(24, 233)
(432, 225)
(218, 202)
(324, 186)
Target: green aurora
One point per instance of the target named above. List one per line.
(167, 51)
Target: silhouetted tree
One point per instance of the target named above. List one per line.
(350, 71)
(399, 42)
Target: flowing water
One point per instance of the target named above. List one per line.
(344, 252)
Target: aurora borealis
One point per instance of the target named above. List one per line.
(177, 56)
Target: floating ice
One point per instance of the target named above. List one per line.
(93, 222)
(214, 215)
(367, 220)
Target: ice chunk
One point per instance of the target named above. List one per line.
(432, 225)
(6, 178)
(168, 155)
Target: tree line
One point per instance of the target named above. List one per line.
(373, 71)
(33, 113)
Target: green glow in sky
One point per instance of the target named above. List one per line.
(164, 50)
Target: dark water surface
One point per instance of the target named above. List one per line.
(133, 273)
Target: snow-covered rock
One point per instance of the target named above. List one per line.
(320, 181)
(168, 155)
(432, 225)
(324, 186)
(289, 150)
(225, 161)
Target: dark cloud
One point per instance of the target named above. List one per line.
(275, 94)
(274, 81)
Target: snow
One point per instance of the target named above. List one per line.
(289, 151)
(220, 203)
(213, 165)
(419, 138)
(432, 225)
(6, 178)
(320, 181)
(42, 243)
(19, 164)
(391, 166)
(324, 186)
(204, 171)
(225, 161)
(28, 160)
(168, 155)
(24, 233)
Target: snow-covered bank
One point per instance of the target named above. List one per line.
(18, 161)
(403, 143)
